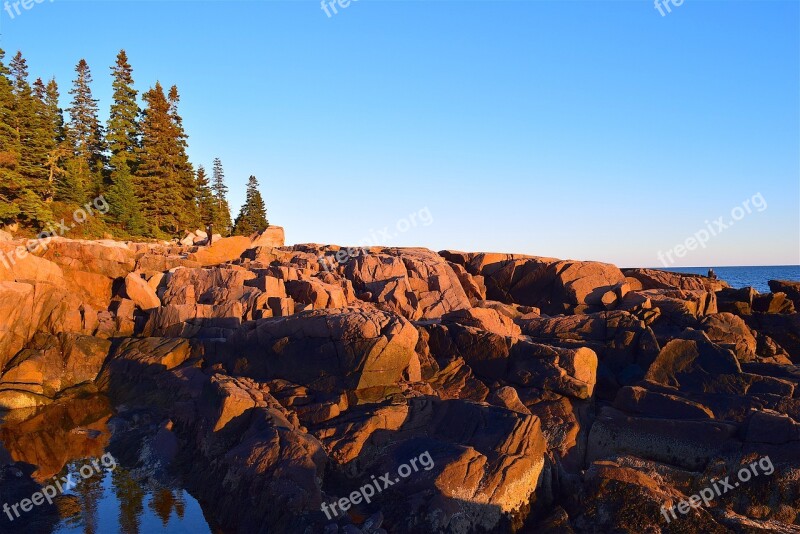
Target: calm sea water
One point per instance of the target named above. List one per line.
(116, 502)
(739, 277)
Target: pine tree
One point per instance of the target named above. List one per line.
(85, 134)
(55, 113)
(253, 215)
(165, 180)
(46, 138)
(12, 185)
(189, 217)
(122, 138)
(59, 151)
(222, 221)
(153, 177)
(33, 137)
(206, 203)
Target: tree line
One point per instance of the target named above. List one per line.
(137, 161)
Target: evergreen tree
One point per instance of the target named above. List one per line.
(55, 113)
(33, 138)
(206, 203)
(59, 149)
(152, 181)
(219, 187)
(165, 180)
(253, 216)
(46, 138)
(189, 217)
(222, 219)
(85, 134)
(122, 138)
(12, 185)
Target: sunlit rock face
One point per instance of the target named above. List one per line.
(474, 392)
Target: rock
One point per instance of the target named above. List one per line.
(771, 427)
(690, 444)
(93, 288)
(226, 249)
(140, 292)
(273, 236)
(473, 286)
(508, 398)
(628, 494)
(736, 301)
(570, 371)
(789, 288)
(195, 320)
(773, 303)
(415, 283)
(40, 307)
(16, 267)
(485, 461)
(317, 294)
(281, 307)
(150, 355)
(52, 364)
(189, 239)
(731, 332)
(270, 285)
(637, 400)
(108, 259)
(245, 435)
(328, 350)
(205, 286)
(16, 301)
(681, 306)
(552, 285)
(625, 345)
(784, 329)
(15, 399)
(693, 363)
(655, 279)
(578, 399)
(512, 311)
(484, 319)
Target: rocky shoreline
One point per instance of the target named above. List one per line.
(552, 395)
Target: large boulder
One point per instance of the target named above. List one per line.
(475, 464)
(731, 332)
(655, 279)
(205, 286)
(40, 307)
(789, 288)
(271, 237)
(107, 258)
(140, 292)
(515, 360)
(328, 350)
(416, 283)
(17, 265)
(49, 366)
(224, 250)
(555, 286)
(692, 363)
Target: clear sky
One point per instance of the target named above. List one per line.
(589, 130)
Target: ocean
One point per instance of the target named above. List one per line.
(738, 277)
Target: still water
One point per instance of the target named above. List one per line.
(60, 442)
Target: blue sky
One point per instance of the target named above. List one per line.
(587, 130)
